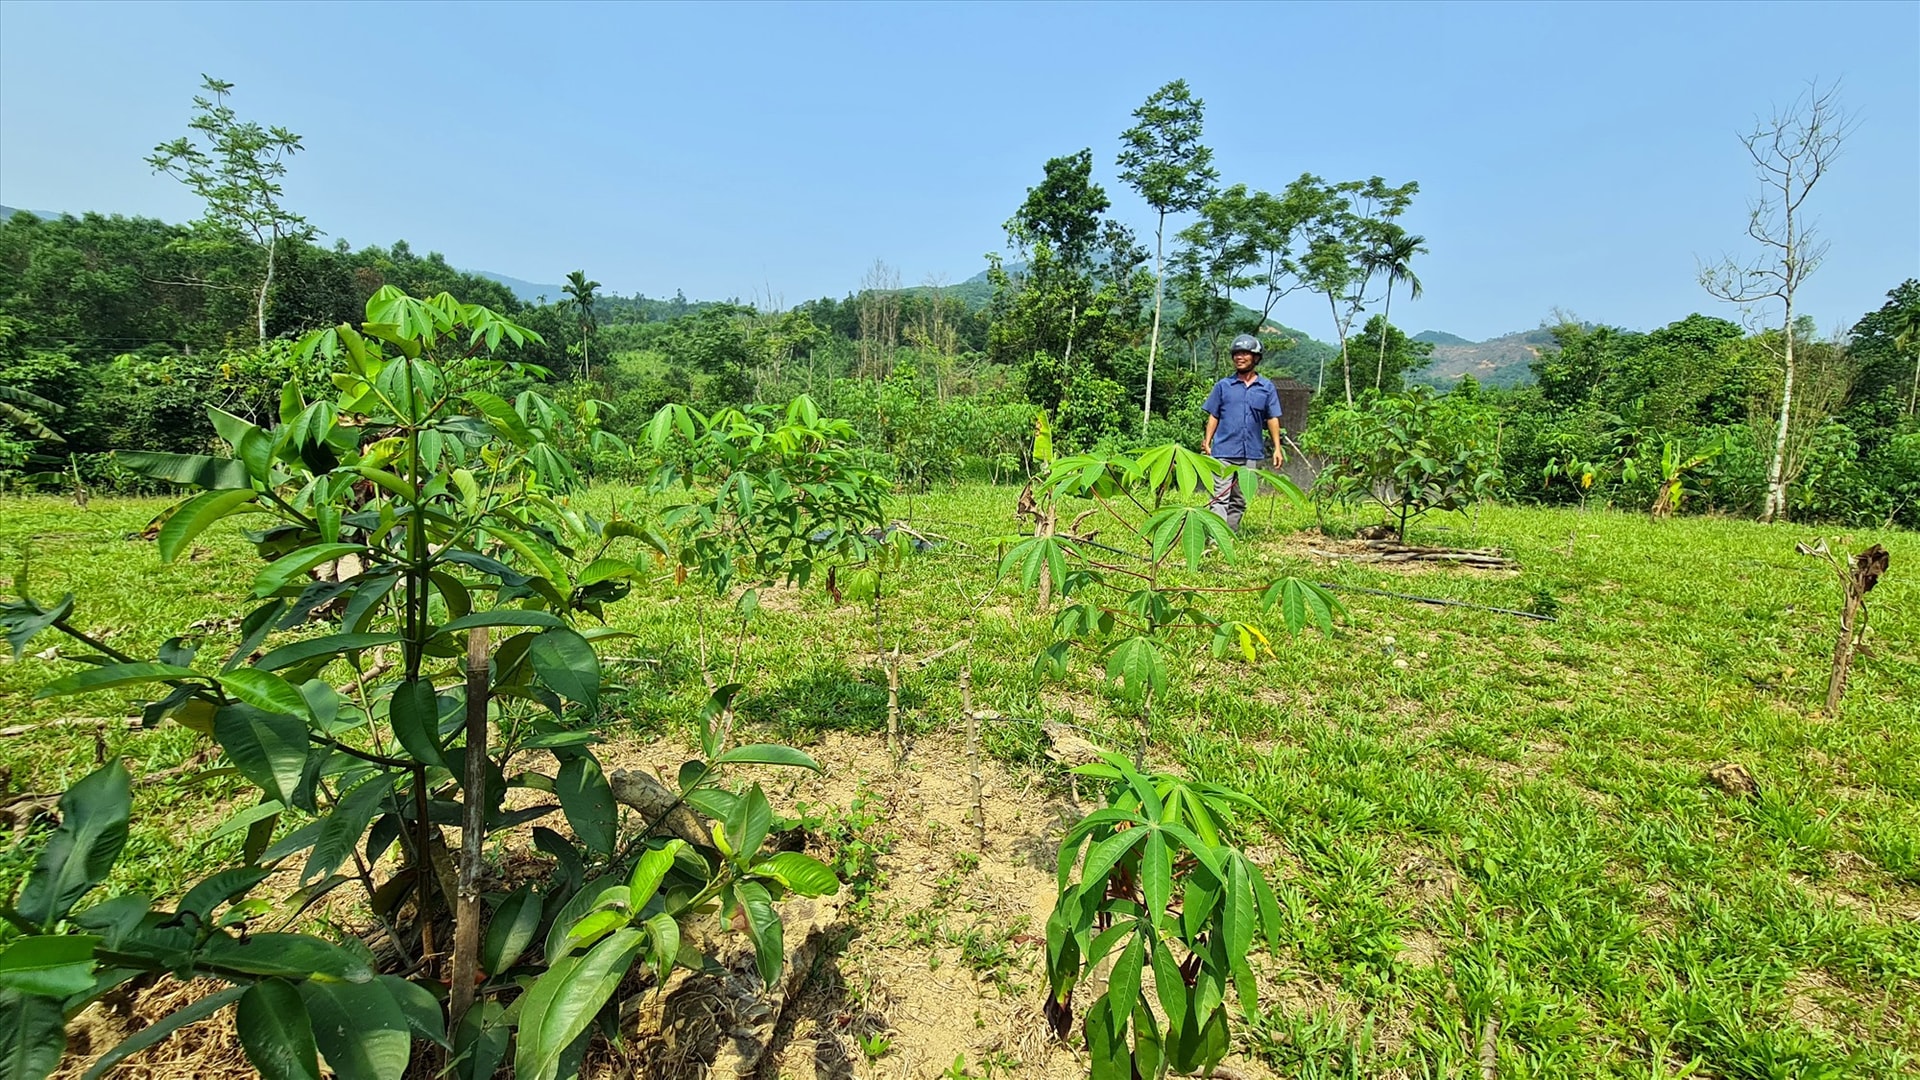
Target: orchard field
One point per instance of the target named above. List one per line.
(1492, 838)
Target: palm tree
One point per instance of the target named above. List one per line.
(1391, 257)
(1906, 338)
(580, 295)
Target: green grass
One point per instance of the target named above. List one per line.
(1514, 826)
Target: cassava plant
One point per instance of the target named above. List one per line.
(368, 710)
(1163, 892)
(1128, 605)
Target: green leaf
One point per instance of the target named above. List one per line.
(1137, 664)
(515, 922)
(747, 825)
(800, 873)
(33, 1035)
(421, 1008)
(266, 691)
(567, 664)
(1102, 856)
(275, 1032)
(160, 1029)
(52, 965)
(82, 851)
(111, 675)
(650, 870)
(213, 891)
(268, 748)
(565, 1000)
(1156, 875)
(299, 652)
(286, 956)
(360, 1029)
(1123, 987)
(505, 617)
(1106, 1042)
(1171, 986)
(763, 926)
(192, 517)
(481, 1041)
(194, 470)
(663, 947)
(768, 754)
(343, 827)
(587, 801)
(414, 713)
(279, 573)
(24, 619)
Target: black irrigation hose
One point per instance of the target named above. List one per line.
(1438, 600)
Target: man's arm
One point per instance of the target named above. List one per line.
(1206, 441)
(1273, 429)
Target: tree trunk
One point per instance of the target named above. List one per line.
(1775, 508)
(1346, 364)
(1153, 342)
(1386, 322)
(260, 299)
(1913, 396)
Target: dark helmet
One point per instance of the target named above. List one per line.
(1245, 343)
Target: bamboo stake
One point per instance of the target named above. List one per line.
(466, 922)
(973, 758)
(896, 745)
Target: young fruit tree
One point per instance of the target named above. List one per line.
(1410, 454)
(1791, 151)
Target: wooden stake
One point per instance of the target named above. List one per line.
(896, 745)
(466, 920)
(973, 758)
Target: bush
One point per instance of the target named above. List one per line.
(1409, 453)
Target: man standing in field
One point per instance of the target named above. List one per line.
(1238, 408)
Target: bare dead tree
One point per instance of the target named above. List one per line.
(879, 319)
(1791, 151)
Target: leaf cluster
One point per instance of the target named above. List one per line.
(1162, 891)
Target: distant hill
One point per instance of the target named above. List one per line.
(7, 212)
(529, 292)
(1496, 362)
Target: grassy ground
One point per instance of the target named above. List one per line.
(1480, 824)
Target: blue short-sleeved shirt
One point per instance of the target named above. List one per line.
(1243, 410)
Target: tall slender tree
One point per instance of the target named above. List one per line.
(1791, 151)
(1390, 257)
(238, 174)
(1163, 159)
(580, 296)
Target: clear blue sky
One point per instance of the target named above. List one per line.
(1569, 155)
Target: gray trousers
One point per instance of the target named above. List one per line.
(1228, 500)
